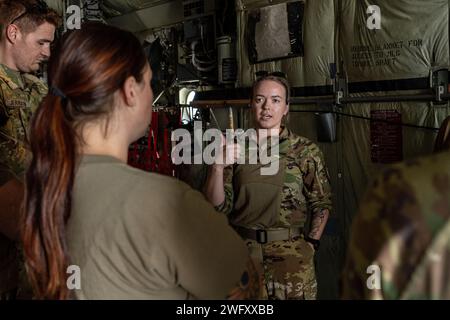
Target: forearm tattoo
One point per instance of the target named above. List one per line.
(317, 223)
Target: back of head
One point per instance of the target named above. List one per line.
(85, 71)
(90, 65)
(26, 14)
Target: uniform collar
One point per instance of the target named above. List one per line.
(99, 158)
(284, 133)
(284, 140)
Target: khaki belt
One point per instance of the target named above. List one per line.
(268, 235)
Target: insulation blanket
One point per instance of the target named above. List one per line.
(385, 40)
(311, 66)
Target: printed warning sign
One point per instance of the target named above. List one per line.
(386, 136)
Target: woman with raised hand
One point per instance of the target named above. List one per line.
(269, 210)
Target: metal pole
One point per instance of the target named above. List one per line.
(318, 100)
(397, 98)
(330, 99)
(368, 99)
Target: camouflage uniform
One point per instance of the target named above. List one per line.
(300, 187)
(403, 228)
(19, 97)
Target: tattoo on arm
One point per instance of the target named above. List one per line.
(249, 285)
(318, 223)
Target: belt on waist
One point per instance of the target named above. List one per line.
(268, 235)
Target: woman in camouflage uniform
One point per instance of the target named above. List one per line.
(270, 211)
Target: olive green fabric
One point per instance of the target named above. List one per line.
(412, 39)
(138, 235)
(258, 197)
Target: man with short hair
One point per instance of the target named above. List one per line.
(27, 29)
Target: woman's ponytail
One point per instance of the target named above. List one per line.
(49, 183)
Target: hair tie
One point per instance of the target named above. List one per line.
(57, 92)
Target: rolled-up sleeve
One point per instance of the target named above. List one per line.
(317, 189)
(227, 205)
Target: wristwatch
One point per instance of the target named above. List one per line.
(314, 242)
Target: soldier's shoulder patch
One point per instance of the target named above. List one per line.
(6, 80)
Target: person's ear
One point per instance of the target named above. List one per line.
(12, 33)
(287, 109)
(129, 91)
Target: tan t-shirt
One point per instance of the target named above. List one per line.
(138, 235)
